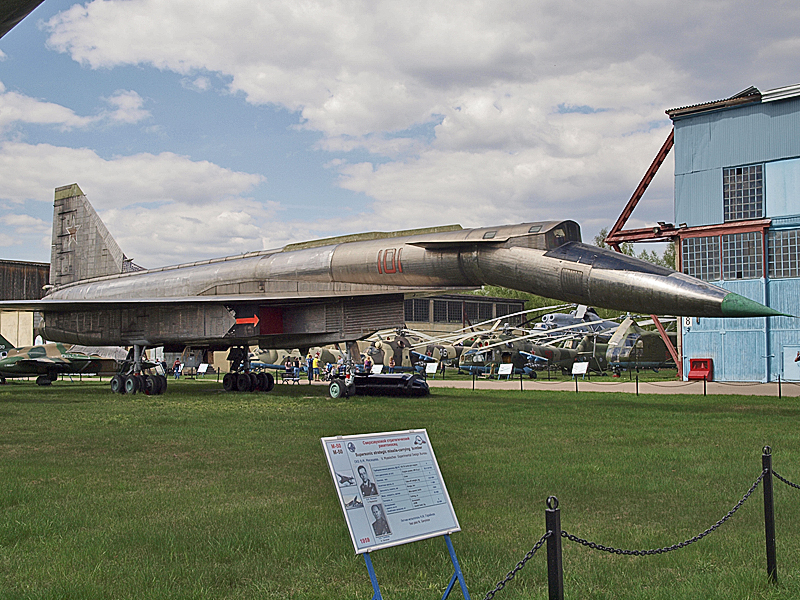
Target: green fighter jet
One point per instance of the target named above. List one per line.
(46, 361)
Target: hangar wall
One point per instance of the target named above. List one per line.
(21, 280)
(737, 198)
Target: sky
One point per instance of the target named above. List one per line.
(203, 128)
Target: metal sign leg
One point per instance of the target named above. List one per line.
(372, 577)
(457, 575)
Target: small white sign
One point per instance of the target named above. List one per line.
(377, 369)
(580, 368)
(505, 369)
(201, 370)
(431, 368)
(390, 488)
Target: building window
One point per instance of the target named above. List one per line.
(485, 311)
(504, 309)
(784, 253)
(701, 257)
(440, 311)
(742, 256)
(743, 193)
(418, 310)
(471, 311)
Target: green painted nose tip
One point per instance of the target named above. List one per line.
(734, 305)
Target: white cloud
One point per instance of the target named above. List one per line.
(24, 224)
(128, 107)
(201, 207)
(18, 108)
(477, 112)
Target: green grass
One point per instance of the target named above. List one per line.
(202, 494)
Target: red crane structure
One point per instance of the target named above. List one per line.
(663, 232)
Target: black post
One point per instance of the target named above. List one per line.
(705, 378)
(779, 387)
(473, 381)
(520, 382)
(637, 384)
(555, 567)
(576, 383)
(769, 514)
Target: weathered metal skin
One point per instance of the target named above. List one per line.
(335, 290)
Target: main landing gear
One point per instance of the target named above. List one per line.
(241, 379)
(151, 385)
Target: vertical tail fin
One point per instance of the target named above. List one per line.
(5, 346)
(81, 247)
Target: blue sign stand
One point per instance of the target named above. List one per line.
(457, 575)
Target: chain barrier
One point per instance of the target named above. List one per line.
(696, 538)
(513, 572)
(676, 384)
(786, 481)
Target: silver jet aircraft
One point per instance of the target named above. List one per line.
(334, 290)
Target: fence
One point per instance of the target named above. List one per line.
(554, 535)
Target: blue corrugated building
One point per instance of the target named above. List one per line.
(737, 203)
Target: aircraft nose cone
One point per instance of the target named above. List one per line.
(734, 305)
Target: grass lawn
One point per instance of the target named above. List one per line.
(203, 494)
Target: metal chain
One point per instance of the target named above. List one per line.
(512, 573)
(612, 550)
(786, 481)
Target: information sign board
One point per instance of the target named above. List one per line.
(580, 368)
(431, 368)
(390, 488)
(505, 369)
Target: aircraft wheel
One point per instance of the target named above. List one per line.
(532, 375)
(2, 380)
(118, 384)
(243, 382)
(151, 385)
(229, 382)
(43, 380)
(270, 382)
(53, 376)
(131, 384)
(254, 385)
(336, 388)
(163, 380)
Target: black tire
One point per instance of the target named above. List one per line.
(150, 385)
(163, 387)
(243, 382)
(253, 382)
(118, 384)
(2, 380)
(533, 375)
(43, 380)
(131, 384)
(229, 382)
(53, 376)
(270, 382)
(336, 388)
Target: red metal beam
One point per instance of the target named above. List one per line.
(666, 232)
(640, 190)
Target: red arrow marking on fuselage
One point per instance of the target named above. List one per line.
(248, 321)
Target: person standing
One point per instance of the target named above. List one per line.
(310, 367)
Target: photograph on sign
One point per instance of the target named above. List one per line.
(390, 488)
